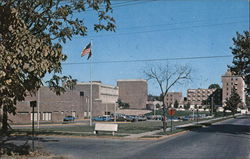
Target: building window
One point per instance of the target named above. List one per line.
(73, 113)
(47, 116)
(35, 116)
(23, 113)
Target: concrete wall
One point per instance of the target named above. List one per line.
(133, 92)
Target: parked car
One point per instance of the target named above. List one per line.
(69, 118)
(154, 117)
(186, 118)
(102, 118)
(142, 118)
(174, 119)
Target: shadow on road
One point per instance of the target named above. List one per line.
(237, 128)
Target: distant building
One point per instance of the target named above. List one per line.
(229, 81)
(134, 92)
(171, 97)
(52, 108)
(73, 102)
(104, 98)
(196, 96)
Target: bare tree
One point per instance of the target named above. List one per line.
(166, 77)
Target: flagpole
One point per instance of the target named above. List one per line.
(90, 74)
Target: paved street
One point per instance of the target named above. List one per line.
(228, 139)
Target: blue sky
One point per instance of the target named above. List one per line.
(160, 30)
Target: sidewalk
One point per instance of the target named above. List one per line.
(151, 133)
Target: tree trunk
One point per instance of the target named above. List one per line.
(5, 120)
(164, 119)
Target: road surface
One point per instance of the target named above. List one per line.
(229, 139)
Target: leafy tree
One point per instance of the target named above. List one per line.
(122, 105)
(166, 77)
(31, 37)
(187, 106)
(241, 53)
(157, 105)
(233, 101)
(248, 102)
(176, 104)
(195, 106)
(214, 86)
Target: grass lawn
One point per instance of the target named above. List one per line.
(123, 128)
(179, 113)
(126, 128)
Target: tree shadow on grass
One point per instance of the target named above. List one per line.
(20, 145)
(10, 148)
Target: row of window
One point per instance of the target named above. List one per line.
(46, 116)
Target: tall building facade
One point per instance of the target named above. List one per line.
(196, 96)
(134, 92)
(104, 98)
(229, 81)
(171, 97)
(50, 107)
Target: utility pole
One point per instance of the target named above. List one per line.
(81, 101)
(212, 102)
(33, 104)
(197, 116)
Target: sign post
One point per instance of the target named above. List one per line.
(171, 112)
(33, 104)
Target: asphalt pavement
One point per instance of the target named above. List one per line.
(226, 140)
(229, 139)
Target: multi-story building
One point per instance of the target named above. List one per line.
(51, 107)
(134, 92)
(104, 98)
(196, 96)
(171, 97)
(229, 81)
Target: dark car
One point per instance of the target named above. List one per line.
(69, 118)
(142, 118)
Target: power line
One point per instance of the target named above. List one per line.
(167, 29)
(151, 60)
(169, 24)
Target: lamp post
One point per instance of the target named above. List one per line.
(81, 101)
(33, 104)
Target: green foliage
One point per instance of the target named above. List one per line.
(241, 53)
(195, 106)
(176, 104)
(122, 105)
(248, 101)
(214, 86)
(31, 33)
(233, 101)
(187, 106)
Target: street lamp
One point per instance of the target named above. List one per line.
(33, 104)
(81, 101)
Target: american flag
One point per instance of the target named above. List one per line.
(87, 50)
